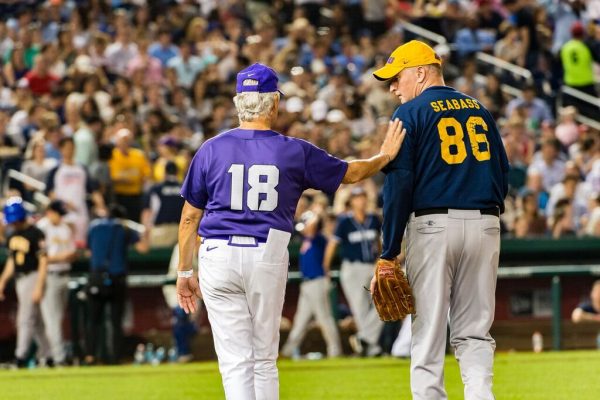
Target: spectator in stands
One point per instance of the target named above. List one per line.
(61, 251)
(577, 192)
(40, 79)
(567, 130)
(129, 170)
(162, 208)
(70, 183)
(536, 109)
(592, 223)
(37, 165)
(86, 142)
(562, 220)
(186, 65)
(163, 49)
(108, 241)
(522, 16)
(471, 39)
(121, 52)
(467, 82)
(578, 65)
(588, 311)
(530, 222)
(549, 164)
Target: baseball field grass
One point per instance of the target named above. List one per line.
(548, 376)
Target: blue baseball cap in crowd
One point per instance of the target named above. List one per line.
(257, 78)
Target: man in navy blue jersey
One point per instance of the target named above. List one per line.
(447, 187)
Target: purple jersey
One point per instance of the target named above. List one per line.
(249, 181)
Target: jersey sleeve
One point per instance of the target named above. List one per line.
(398, 190)
(340, 230)
(193, 189)
(322, 171)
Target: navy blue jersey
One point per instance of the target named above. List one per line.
(165, 202)
(359, 242)
(312, 254)
(452, 157)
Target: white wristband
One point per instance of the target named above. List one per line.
(185, 274)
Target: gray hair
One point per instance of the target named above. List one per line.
(252, 105)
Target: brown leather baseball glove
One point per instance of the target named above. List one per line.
(392, 294)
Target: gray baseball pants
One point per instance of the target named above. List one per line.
(53, 309)
(452, 264)
(355, 277)
(314, 300)
(29, 321)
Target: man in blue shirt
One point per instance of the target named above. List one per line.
(109, 240)
(447, 185)
(314, 289)
(163, 49)
(358, 233)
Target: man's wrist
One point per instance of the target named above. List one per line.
(186, 273)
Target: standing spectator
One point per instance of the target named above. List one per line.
(70, 183)
(61, 251)
(129, 170)
(109, 241)
(85, 139)
(548, 163)
(521, 15)
(315, 287)
(162, 209)
(589, 311)
(36, 164)
(578, 65)
(358, 235)
(27, 260)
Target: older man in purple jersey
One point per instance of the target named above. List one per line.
(241, 193)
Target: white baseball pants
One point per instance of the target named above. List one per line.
(452, 264)
(243, 286)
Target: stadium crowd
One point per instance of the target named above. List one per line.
(105, 102)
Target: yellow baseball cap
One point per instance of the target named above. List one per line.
(411, 54)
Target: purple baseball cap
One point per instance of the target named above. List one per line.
(257, 78)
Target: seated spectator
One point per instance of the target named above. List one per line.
(562, 220)
(40, 79)
(588, 311)
(537, 110)
(575, 191)
(549, 164)
(471, 39)
(567, 130)
(530, 222)
(186, 65)
(510, 47)
(592, 226)
(467, 82)
(163, 49)
(36, 164)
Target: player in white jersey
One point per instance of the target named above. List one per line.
(61, 251)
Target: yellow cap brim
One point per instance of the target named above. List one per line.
(387, 72)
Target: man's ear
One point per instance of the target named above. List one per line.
(421, 74)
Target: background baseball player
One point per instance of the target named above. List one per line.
(27, 260)
(358, 233)
(448, 182)
(246, 183)
(61, 251)
(315, 286)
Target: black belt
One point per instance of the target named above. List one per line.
(495, 211)
(59, 273)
